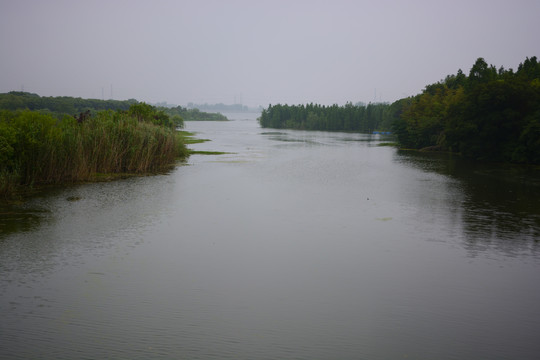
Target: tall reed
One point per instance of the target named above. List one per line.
(39, 149)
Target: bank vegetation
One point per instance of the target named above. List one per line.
(38, 148)
(488, 114)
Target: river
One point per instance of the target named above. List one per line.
(294, 245)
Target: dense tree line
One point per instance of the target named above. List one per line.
(59, 105)
(79, 108)
(66, 105)
(349, 117)
(219, 107)
(491, 114)
(193, 114)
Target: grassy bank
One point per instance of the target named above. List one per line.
(39, 149)
(189, 138)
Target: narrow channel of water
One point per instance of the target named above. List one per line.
(295, 245)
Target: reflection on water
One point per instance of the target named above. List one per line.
(61, 227)
(295, 244)
(498, 204)
(14, 219)
(321, 137)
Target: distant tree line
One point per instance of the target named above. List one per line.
(193, 114)
(491, 114)
(67, 105)
(219, 107)
(359, 117)
(60, 105)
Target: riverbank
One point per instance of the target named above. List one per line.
(38, 149)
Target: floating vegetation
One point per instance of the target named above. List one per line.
(201, 152)
(387, 144)
(188, 138)
(273, 133)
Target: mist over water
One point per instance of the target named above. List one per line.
(306, 245)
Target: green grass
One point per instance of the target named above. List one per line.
(188, 138)
(387, 144)
(201, 152)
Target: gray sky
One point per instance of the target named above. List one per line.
(256, 52)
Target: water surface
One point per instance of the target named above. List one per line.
(297, 245)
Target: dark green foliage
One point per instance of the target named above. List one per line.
(62, 105)
(150, 114)
(192, 114)
(58, 106)
(489, 115)
(330, 118)
(38, 148)
(82, 108)
(528, 149)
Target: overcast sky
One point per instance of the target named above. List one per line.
(255, 52)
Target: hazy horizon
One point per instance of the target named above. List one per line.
(255, 52)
